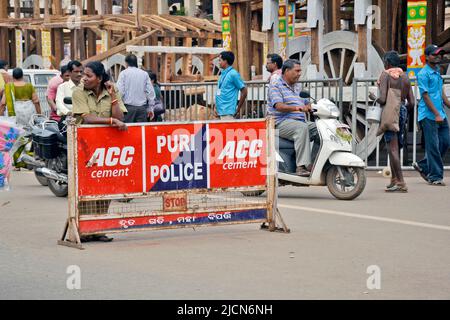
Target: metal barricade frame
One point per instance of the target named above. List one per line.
(184, 217)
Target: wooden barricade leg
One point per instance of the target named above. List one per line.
(274, 215)
(71, 236)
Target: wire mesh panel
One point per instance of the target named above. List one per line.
(197, 101)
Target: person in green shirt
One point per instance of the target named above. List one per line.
(97, 101)
(19, 90)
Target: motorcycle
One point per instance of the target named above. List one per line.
(335, 166)
(50, 144)
(28, 156)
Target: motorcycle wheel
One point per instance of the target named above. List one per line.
(59, 189)
(351, 187)
(42, 180)
(256, 193)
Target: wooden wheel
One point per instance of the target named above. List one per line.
(339, 54)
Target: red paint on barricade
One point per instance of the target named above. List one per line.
(171, 220)
(109, 161)
(237, 154)
(176, 157)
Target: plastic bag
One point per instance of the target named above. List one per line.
(9, 134)
(5, 170)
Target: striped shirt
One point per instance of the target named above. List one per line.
(281, 92)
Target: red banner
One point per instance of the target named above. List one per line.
(155, 157)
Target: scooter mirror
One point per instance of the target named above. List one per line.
(305, 95)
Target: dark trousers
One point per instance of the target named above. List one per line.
(437, 141)
(135, 114)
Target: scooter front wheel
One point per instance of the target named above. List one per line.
(346, 183)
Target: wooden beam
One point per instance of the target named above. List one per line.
(174, 49)
(257, 46)
(38, 36)
(258, 36)
(187, 58)
(207, 58)
(80, 39)
(47, 11)
(166, 60)
(240, 36)
(122, 47)
(335, 18)
(315, 59)
(362, 44)
(4, 36)
(106, 7)
(125, 4)
(58, 34)
(17, 9)
(443, 38)
(91, 35)
(149, 6)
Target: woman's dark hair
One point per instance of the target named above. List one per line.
(17, 73)
(392, 58)
(99, 70)
(153, 77)
(228, 56)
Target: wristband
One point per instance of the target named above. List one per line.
(114, 101)
(111, 121)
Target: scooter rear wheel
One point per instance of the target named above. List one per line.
(348, 188)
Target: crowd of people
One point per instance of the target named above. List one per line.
(137, 98)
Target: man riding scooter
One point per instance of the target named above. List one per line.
(289, 110)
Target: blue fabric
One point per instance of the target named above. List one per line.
(388, 135)
(281, 92)
(230, 83)
(437, 142)
(430, 81)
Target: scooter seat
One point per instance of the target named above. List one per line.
(284, 143)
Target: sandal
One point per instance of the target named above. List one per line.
(393, 183)
(102, 238)
(397, 188)
(96, 237)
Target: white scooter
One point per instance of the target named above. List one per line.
(335, 165)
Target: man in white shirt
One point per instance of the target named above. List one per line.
(65, 89)
(137, 91)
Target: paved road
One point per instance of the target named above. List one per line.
(326, 256)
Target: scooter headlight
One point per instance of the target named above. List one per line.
(344, 133)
